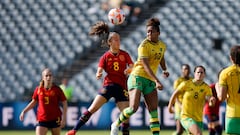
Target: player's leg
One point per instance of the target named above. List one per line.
(122, 101)
(210, 121)
(56, 131)
(152, 104)
(135, 85)
(191, 126)
(179, 127)
(96, 104)
(195, 130)
(196, 127)
(216, 124)
(134, 101)
(218, 129)
(125, 124)
(211, 129)
(40, 130)
(177, 117)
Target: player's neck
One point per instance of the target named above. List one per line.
(114, 52)
(197, 82)
(186, 77)
(47, 87)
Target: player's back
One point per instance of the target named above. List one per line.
(230, 77)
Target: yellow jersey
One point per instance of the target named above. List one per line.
(154, 52)
(180, 96)
(230, 78)
(194, 98)
(178, 82)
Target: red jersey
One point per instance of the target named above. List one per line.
(212, 109)
(48, 102)
(114, 66)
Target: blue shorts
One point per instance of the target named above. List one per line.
(115, 91)
(50, 124)
(211, 117)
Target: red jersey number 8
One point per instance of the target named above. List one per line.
(116, 66)
(46, 100)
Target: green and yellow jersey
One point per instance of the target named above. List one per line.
(194, 97)
(177, 83)
(180, 96)
(230, 78)
(154, 52)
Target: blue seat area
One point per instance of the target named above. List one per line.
(40, 34)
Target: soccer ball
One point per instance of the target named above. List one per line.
(116, 16)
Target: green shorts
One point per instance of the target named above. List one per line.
(232, 125)
(188, 122)
(146, 86)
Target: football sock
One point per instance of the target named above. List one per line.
(82, 120)
(126, 113)
(218, 129)
(211, 131)
(154, 122)
(125, 128)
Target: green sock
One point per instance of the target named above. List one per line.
(154, 122)
(126, 113)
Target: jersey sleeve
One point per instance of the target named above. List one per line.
(143, 51)
(175, 84)
(35, 93)
(129, 59)
(208, 91)
(182, 86)
(102, 61)
(222, 79)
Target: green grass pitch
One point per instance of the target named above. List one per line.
(92, 132)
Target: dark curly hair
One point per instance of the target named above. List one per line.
(100, 29)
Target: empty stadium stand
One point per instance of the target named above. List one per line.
(54, 34)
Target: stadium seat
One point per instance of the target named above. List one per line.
(32, 32)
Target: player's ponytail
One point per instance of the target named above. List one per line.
(235, 54)
(41, 84)
(101, 30)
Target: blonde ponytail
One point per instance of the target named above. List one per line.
(41, 84)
